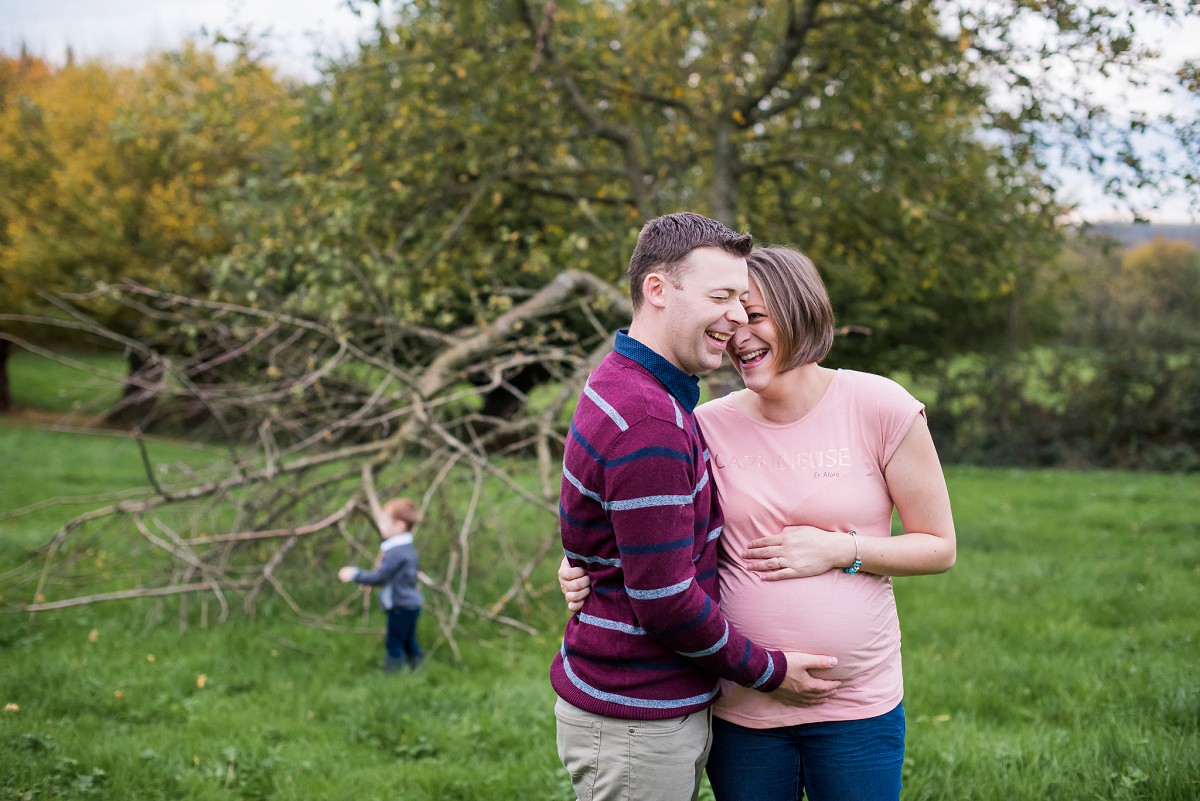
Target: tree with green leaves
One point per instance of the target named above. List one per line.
(115, 174)
(1141, 300)
(471, 150)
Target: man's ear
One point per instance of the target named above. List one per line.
(654, 289)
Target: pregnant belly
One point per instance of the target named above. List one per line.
(851, 617)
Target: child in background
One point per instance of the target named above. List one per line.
(396, 573)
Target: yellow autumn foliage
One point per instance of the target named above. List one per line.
(111, 173)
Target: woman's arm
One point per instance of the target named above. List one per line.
(574, 583)
(918, 488)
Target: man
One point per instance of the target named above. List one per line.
(639, 666)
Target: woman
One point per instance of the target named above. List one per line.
(809, 463)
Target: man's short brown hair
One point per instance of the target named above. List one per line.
(665, 243)
(402, 509)
(797, 304)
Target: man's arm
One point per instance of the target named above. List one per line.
(799, 688)
(651, 503)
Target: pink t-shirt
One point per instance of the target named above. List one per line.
(825, 470)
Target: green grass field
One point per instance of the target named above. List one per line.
(1058, 660)
(81, 382)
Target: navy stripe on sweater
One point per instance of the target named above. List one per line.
(633, 456)
(578, 522)
(660, 547)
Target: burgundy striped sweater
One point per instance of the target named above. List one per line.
(639, 511)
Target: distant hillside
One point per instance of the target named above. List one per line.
(1133, 234)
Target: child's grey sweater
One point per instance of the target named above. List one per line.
(396, 574)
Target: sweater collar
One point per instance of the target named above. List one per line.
(396, 541)
(685, 388)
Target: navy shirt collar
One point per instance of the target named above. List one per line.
(685, 388)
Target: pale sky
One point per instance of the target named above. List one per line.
(121, 31)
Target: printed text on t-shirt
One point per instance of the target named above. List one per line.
(824, 463)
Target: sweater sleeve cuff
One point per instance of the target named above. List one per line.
(772, 682)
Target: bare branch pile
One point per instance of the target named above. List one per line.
(292, 411)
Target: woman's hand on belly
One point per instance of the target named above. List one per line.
(798, 552)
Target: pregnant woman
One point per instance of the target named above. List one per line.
(809, 463)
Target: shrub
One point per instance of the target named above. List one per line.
(1069, 407)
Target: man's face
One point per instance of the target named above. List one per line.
(705, 309)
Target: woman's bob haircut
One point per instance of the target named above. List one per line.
(797, 303)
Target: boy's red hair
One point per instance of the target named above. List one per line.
(401, 509)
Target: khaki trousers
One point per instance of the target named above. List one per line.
(613, 759)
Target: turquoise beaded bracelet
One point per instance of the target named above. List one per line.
(857, 556)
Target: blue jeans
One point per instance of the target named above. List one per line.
(846, 760)
(401, 642)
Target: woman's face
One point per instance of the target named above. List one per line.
(752, 348)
